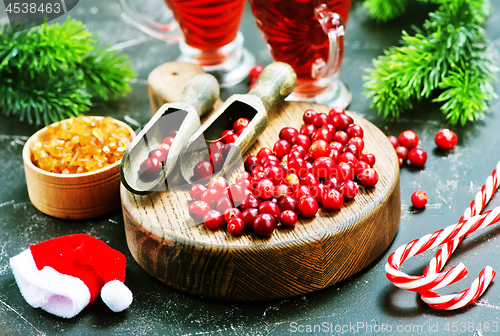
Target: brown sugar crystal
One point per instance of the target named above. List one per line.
(79, 145)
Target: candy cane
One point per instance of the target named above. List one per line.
(433, 278)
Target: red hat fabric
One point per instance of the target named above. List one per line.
(65, 274)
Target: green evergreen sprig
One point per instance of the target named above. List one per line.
(52, 72)
(450, 54)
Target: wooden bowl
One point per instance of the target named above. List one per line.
(73, 196)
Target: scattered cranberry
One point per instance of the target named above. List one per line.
(248, 215)
(348, 189)
(198, 209)
(321, 119)
(319, 148)
(307, 130)
(288, 218)
(355, 131)
(333, 200)
(301, 191)
(264, 225)
(264, 189)
(288, 203)
(235, 226)
(236, 193)
(309, 116)
(281, 148)
(323, 167)
(212, 219)
(368, 178)
(408, 139)
(250, 201)
(394, 141)
(318, 191)
(288, 133)
(301, 140)
(446, 139)
(419, 199)
(269, 207)
(417, 157)
(402, 153)
(216, 159)
(340, 136)
(368, 158)
(196, 191)
(230, 213)
(308, 206)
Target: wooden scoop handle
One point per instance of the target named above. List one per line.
(274, 84)
(201, 92)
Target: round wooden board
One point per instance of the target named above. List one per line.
(317, 253)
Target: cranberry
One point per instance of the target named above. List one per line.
(264, 225)
(336, 145)
(323, 166)
(358, 142)
(393, 140)
(282, 190)
(368, 158)
(274, 174)
(211, 196)
(446, 139)
(203, 170)
(250, 201)
(281, 148)
(308, 206)
(230, 213)
(264, 152)
(256, 179)
(301, 140)
(341, 121)
(321, 119)
(344, 171)
(150, 169)
(243, 175)
(216, 159)
(255, 72)
(224, 134)
(294, 154)
(417, 157)
(269, 207)
(288, 133)
(309, 116)
(173, 132)
(248, 215)
(251, 162)
(330, 127)
(164, 149)
(256, 170)
(237, 193)
(301, 149)
(347, 157)
(301, 191)
(196, 191)
(341, 136)
(336, 109)
(419, 199)
(309, 167)
(291, 180)
(268, 158)
(297, 166)
(264, 189)
(158, 154)
(402, 152)
(288, 203)
(360, 167)
(212, 219)
(216, 146)
(288, 218)
(322, 133)
(348, 189)
(331, 182)
(223, 204)
(307, 130)
(318, 191)
(368, 178)
(355, 130)
(235, 226)
(309, 158)
(309, 179)
(219, 183)
(240, 124)
(198, 209)
(333, 200)
(408, 139)
(270, 163)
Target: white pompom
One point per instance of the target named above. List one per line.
(116, 295)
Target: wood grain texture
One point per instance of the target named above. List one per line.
(317, 253)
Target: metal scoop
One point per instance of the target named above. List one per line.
(198, 97)
(275, 83)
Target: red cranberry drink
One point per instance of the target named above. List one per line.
(308, 35)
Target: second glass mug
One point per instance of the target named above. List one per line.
(309, 36)
(209, 35)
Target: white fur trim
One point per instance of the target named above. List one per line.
(116, 295)
(59, 294)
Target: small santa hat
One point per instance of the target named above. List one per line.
(65, 274)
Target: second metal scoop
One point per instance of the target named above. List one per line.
(275, 83)
(198, 97)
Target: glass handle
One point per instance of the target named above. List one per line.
(333, 25)
(167, 32)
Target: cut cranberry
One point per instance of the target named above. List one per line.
(150, 169)
(301, 140)
(408, 139)
(446, 139)
(288, 133)
(198, 209)
(264, 189)
(341, 136)
(318, 191)
(368, 158)
(281, 148)
(240, 124)
(230, 213)
(333, 200)
(419, 199)
(348, 189)
(196, 191)
(323, 166)
(223, 204)
(282, 190)
(203, 170)
(308, 206)
(393, 140)
(212, 219)
(417, 157)
(251, 162)
(235, 226)
(264, 225)
(211, 196)
(219, 183)
(355, 130)
(321, 119)
(307, 130)
(288, 218)
(269, 207)
(249, 215)
(288, 203)
(309, 116)
(368, 178)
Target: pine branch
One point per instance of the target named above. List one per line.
(385, 10)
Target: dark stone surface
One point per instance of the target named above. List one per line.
(365, 300)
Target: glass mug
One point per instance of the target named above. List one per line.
(207, 32)
(309, 36)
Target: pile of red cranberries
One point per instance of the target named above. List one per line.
(151, 167)
(322, 163)
(217, 151)
(406, 148)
